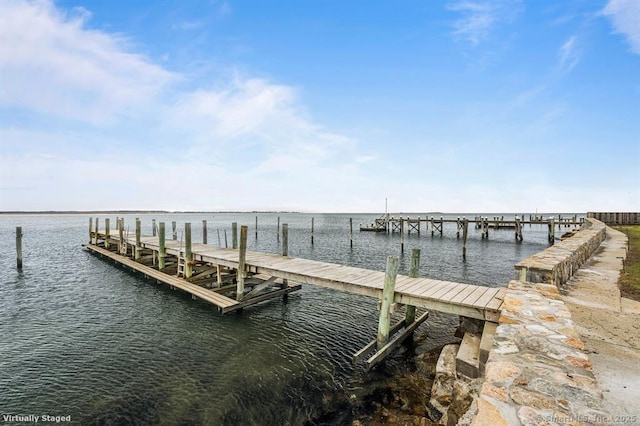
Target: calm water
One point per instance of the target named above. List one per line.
(84, 338)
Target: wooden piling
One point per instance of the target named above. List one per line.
(121, 241)
(312, 231)
(285, 252)
(107, 233)
(218, 232)
(90, 230)
(552, 230)
(226, 244)
(97, 229)
(256, 227)
(188, 255)
(465, 232)
(162, 251)
(384, 322)
(234, 235)
(204, 232)
(174, 231)
(19, 247)
(153, 227)
(278, 230)
(242, 255)
(414, 271)
(136, 254)
(285, 239)
(351, 232)
(401, 236)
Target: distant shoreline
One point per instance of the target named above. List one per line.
(52, 212)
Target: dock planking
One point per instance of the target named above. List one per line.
(449, 297)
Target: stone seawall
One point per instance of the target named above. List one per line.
(558, 263)
(537, 372)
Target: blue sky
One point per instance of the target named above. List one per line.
(453, 106)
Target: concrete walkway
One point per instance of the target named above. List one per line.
(609, 325)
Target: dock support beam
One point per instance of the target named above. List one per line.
(162, 251)
(95, 241)
(19, 247)
(188, 255)
(256, 227)
(137, 249)
(552, 230)
(414, 270)
(312, 231)
(174, 231)
(90, 230)
(241, 263)
(153, 227)
(387, 298)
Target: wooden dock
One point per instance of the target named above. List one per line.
(234, 278)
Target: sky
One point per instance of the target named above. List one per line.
(320, 106)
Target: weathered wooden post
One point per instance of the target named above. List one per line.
(278, 230)
(234, 235)
(218, 232)
(241, 263)
(188, 255)
(387, 299)
(414, 271)
(226, 244)
(418, 225)
(351, 232)
(458, 227)
(106, 233)
(204, 232)
(122, 242)
(256, 227)
(162, 250)
(441, 225)
(401, 235)
(137, 249)
(465, 231)
(90, 230)
(153, 228)
(518, 229)
(174, 231)
(552, 230)
(19, 247)
(312, 231)
(433, 231)
(285, 239)
(97, 229)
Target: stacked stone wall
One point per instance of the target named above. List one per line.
(537, 372)
(557, 264)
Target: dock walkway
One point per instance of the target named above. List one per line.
(467, 300)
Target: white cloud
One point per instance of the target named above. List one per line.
(234, 132)
(568, 54)
(625, 18)
(479, 18)
(51, 64)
